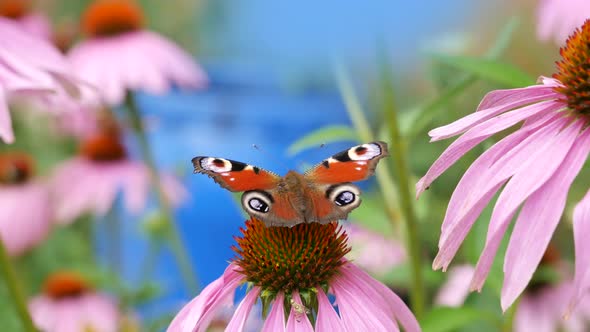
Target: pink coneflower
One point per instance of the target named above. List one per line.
(535, 165)
(456, 289)
(119, 55)
(29, 65)
(26, 214)
(68, 304)
(21, 12)
(557, 19)
(293, 270)
(372, 251)
(91, 181)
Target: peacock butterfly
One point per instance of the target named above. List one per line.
(322, 194)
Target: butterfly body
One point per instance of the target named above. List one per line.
(322, 194)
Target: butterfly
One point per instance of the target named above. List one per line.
(322, 194)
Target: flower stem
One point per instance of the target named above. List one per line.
(174, 237)
(399, 152)
(113, 225)
(16, 293)
(353, 106)
(509, 317)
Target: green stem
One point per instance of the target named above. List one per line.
(113, 225)
(355, 112)
(16, 293)
(174, 237)
(399, 152)
(509, 320)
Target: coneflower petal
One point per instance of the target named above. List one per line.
(537, 222)
(298, 320)
(479, 133)
(582, 251)
(473, 119)
(327, 320)
(238, 320)
(533, 169)
(275, 322)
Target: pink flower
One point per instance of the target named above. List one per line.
(26, 214)
(29, 66)
(533, 168)
(290, 274)
(557, 19)
(68, 305)
(20, 11)
(119, 56)
(456, 289)
(91, 181)
(373, 251)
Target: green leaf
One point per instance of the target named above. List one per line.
(321, 136)
(489, 69)
(443, 319)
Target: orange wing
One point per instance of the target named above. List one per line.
(354, 164)
(234, 175)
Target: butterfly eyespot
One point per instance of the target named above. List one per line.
(257, 202)
(345, 198)
(364, 151)
(344, 195)
(258, 205)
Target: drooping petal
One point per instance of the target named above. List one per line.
(298, 320)
(508, 96)
(198, 313)
(537, 221)
(396, 306)
(529, 176)
(327, 320)
(238, 320)
(478, 134)
(582, 251)
(275, 322)
(475, 190)
(459, 126)
(455, 290)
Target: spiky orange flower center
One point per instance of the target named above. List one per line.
(112, 17)
(574, 70)
(65, 284)
(290, 258)
(103, 147)
(14, 9)
(15, 167)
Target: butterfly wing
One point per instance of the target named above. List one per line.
(332, 196)
(355, 164)
(234, 175)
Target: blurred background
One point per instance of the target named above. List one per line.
(272, 68)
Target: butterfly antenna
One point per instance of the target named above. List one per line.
(270, 156)
(304, 166)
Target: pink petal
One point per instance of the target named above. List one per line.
(275, 322)
(456, 289)
(396, 306)
(239, 318)
(298, 321)
(327, 319)
(505, 97)
(582, 251)
(537, 221)
(474, 192)
(528, 177)
(197, 314)
(532, 315)
(535, 94)
(6, 133)
(478, 134)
